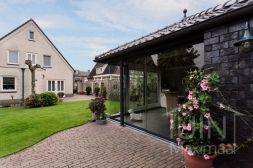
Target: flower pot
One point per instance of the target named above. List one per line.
(94, 116)
(101, 122)
(198, 161)
(60, 99)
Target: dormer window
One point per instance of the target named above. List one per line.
(31, 35)
(99, 70)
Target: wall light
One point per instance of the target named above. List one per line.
(246, 42)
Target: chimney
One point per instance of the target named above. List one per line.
(88, 70)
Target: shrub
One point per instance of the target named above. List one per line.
(103, 92)
(39, 100)
(97, 106)
(97, 89)
(60, 94)
(88, 89)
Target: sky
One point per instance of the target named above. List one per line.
(82, 29)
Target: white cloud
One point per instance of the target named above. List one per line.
(138, 15)
(49, 22)
(88, 46)
(31, 1)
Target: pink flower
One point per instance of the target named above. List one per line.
(184, 106)
(190, 108)
(190, 153)
(184, 114)
(207, 115)
(191, 77)
(186, 148)
(184, 127)
(222, 106)
(205, 127)
(190, 97)
(179, 109)
(189, 127)
(204, 81)
(196, 106)
(171, 127)
(206, 157)
(190, 92)
(178, 140)
(171, 121)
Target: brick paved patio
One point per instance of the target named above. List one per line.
(92, 145)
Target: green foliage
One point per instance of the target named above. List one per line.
(97, 106)
(192, 121)
(88, 89)
(103, 92)
(60, 94)
(40, 100)
(97, 89)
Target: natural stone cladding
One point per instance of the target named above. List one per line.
(236, 83)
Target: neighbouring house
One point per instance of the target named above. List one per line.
(29, 42)
(103, 75)
(153, 66)
(81, 76)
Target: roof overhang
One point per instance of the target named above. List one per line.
(180, 37)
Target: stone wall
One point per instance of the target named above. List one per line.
(236, 83)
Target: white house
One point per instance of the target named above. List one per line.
(28, 41)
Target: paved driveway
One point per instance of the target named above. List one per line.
(98, 146)
(77, 97)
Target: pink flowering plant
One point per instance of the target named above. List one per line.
(192, 121)
(97, 106)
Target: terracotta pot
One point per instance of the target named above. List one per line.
(60, 99)
(198, 161)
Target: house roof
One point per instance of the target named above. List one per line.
(110, 69)
(186, 22)
(81, 73)
(31, 20)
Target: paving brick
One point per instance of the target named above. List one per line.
(92, 145)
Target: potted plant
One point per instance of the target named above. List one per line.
(88, 89)
(103, 92)
(97, 108)
(195, 131)
(60, 95)
(97, 89)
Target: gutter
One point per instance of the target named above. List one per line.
(201, 26)
(23, 84)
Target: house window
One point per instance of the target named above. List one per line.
(31, 35)
(55, 85)
(32, 57)
(8, 84)
(85, 79)
(60, 86)
(47, 61)
(13, 57)
(99, 70)
(51, 85)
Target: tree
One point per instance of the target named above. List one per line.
(32, 69)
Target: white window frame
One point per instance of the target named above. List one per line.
(31, 58)
(9, 90)
(44, 62)
(99, 70)
(30, 31)
(8, 57)
(56, 86)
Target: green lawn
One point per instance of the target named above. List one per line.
(23, 127)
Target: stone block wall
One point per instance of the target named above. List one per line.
(236, 83)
